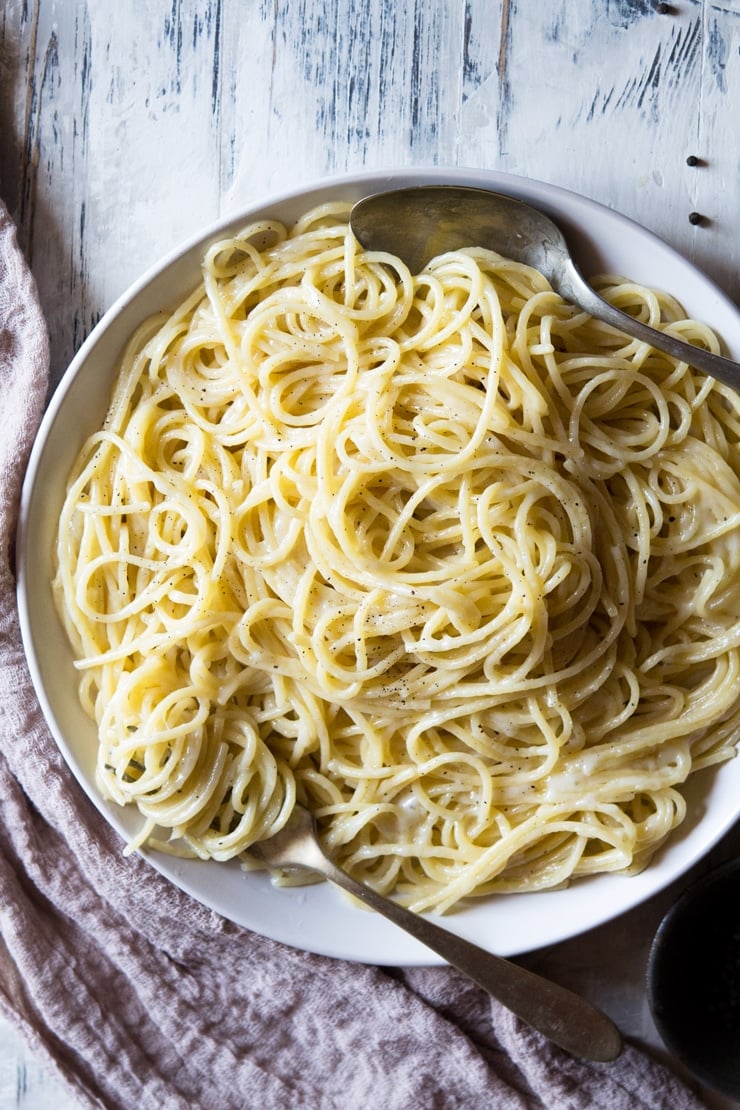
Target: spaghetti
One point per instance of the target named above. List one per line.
(440, 556)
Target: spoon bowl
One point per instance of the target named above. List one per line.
(564, 1017)
(418, 223)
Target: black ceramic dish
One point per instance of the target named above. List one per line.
(694, 979)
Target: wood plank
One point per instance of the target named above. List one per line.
(602, 99)
(714, 186)
(24, 1083)
(117, 157)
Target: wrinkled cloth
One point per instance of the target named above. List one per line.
(139, 997)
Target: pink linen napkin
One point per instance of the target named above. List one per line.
(138, 997)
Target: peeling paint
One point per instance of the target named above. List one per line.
(624, 13)
(508, 12)
(718, 52)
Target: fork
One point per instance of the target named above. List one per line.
(564, 1017)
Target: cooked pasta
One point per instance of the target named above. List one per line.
(439, 556)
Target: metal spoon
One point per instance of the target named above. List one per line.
(564, 1017)
(418, 223)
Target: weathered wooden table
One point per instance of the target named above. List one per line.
(126, 127)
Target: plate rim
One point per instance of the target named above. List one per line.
(380, 941)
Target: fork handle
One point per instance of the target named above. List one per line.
(565, 1018)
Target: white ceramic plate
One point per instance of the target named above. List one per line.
(318, 918)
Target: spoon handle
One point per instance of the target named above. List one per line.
(564, 1017)
(573, 287)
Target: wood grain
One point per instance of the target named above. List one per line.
(124, 128)
(128, 130)
(24, 1084)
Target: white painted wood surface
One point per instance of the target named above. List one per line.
(125, 127)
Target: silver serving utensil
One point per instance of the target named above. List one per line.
(564, 1017)
(420, 222)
